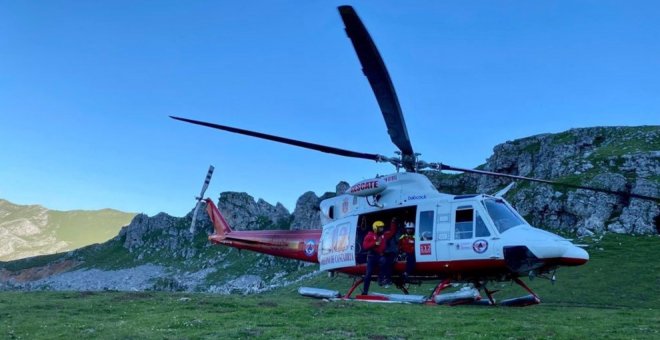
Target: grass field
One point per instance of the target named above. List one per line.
(616, 295)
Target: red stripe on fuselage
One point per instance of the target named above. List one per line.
(455, 269)
(566, 261)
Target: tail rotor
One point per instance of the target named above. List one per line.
(201, 197)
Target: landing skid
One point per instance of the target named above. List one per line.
(467, 295)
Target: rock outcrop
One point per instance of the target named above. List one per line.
(244, 213)
(614, 158)
(135, 234)
(307, 214)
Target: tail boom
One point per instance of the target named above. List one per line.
(294, 244)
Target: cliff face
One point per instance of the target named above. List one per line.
(307, 214)
(615, 158)
(241, 210)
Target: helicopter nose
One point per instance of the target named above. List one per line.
(574, 256)
(548, 247)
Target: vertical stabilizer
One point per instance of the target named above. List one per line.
(219, 223)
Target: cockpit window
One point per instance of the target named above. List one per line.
(502, 215)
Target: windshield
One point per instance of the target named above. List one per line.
(502, 215)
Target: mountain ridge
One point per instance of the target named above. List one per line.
(30, 230)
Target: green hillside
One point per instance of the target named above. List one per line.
(29, 230)
(80, 227)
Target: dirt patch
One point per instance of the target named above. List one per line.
(38, 273)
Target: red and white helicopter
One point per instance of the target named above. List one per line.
(475, 239)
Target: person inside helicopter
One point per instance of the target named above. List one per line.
(407, 247)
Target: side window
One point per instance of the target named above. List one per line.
(481, 230)
(464, 223)
(426, 225)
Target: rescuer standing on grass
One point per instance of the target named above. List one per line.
(375, 243)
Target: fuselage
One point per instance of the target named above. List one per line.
(466, 237)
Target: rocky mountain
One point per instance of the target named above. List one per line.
(29, 230)
(242, 210)
(615, 158)
(307, 212)
(160, 253)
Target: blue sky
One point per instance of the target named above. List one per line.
(86, 88)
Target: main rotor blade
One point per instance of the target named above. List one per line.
(306, 145)
(379, 79)
(440, 166)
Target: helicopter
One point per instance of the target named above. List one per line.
(474, 239)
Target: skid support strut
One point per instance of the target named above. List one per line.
(489, 294)
(356, 284)
(522, 301)
(439, 288)
(522, 284)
